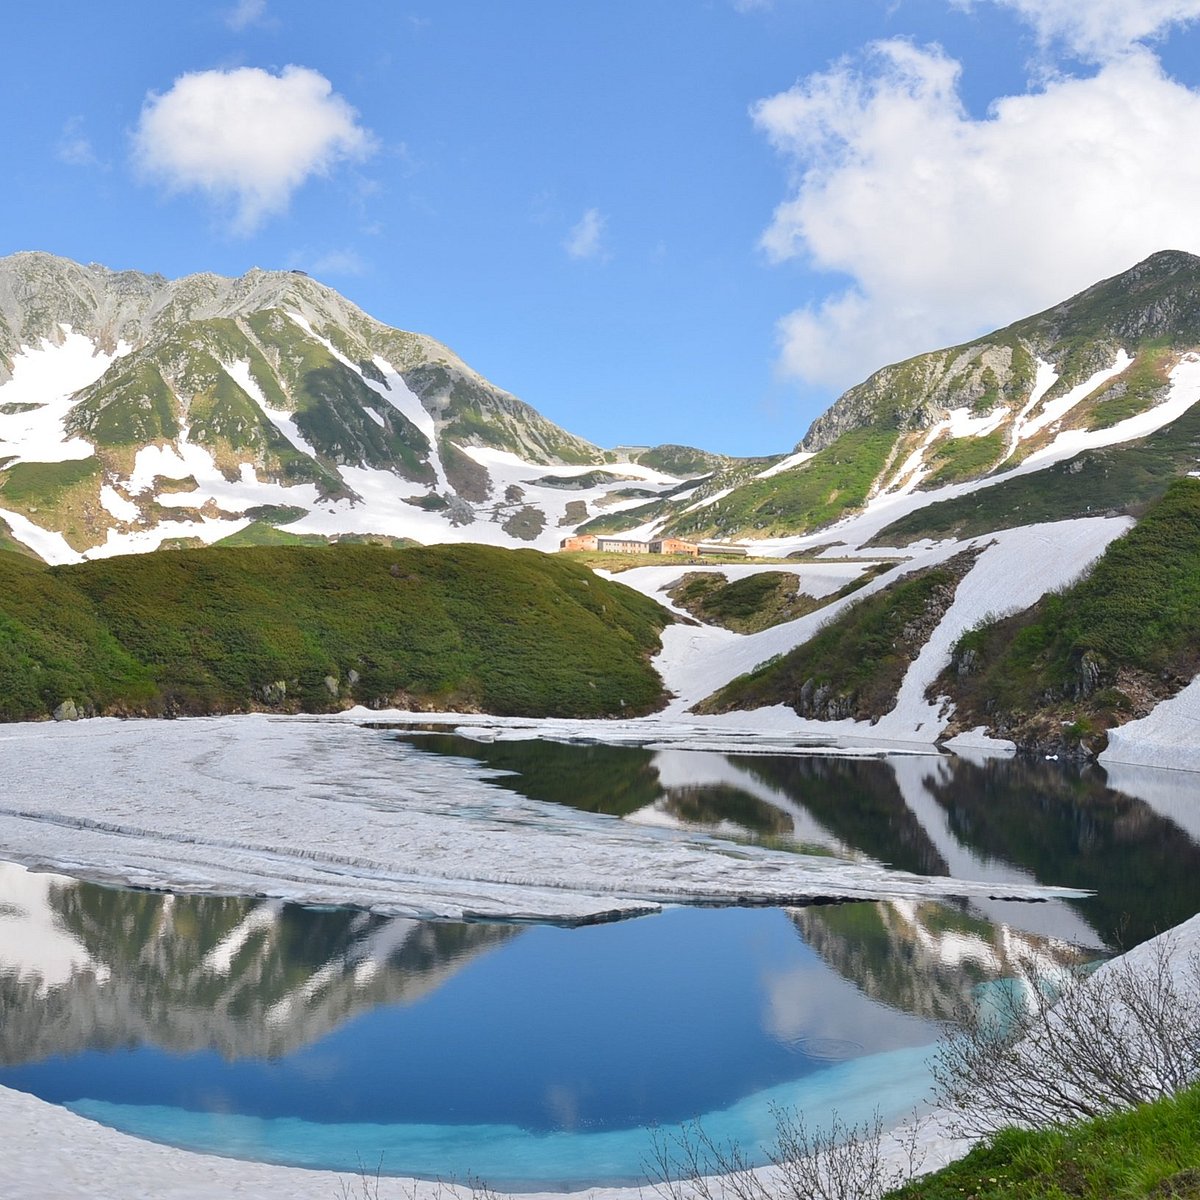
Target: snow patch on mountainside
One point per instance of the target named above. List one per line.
(394, 390)
(1168, 737)
(1184, 392)
(47, 544)
(406, 402)
(1055, 410)
(46, 377)
(239, 372)
(786, 464)
(1015, 568)
(117, 505)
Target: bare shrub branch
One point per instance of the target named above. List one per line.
(841, 1162)
(1052, 1051)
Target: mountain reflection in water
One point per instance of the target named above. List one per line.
(265, 1009)
(1005, 819)
(244, 978)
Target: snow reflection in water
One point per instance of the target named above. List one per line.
(536, 1055)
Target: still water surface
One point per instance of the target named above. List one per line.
(536, 1056)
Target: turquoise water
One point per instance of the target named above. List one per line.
(539, 1057)
(509, 1156)
(522, 1055)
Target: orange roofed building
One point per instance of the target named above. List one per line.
(673, 546)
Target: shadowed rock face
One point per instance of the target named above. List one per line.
(245, 978)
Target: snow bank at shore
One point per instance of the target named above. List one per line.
(1169, 737)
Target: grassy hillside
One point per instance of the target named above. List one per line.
(854, 666)
(55, 646)
(1101, 651)
(1150, 1151)
(300, 628)
(832, 483)
(755, 602)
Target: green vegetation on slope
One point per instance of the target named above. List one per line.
(331, 403)
(746, 605)
(55, 646)
(1139, 386)
(310, 628)
(1149, 1152)
(1105, 648)
(10, 545)
(31, 485)
(755, 602)
(963, 458)
(265, 533)
(130, 405)
(853, 666)
(627, 518)
(826, 487)
(62, 495)
(1157, 301)
(1115, 480)
(684, 461)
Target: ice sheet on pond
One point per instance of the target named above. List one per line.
(330, 813)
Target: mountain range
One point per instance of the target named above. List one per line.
(137, 412)
(964, 541)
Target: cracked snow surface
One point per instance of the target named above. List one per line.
(218, 806)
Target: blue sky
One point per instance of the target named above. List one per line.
(655, 220)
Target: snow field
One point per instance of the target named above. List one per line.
(1168, 737)
(48, 376)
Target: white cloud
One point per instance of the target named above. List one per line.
(246, 13)
(74, 147)
(586, 239)
(246, 137)
(1099, 29)
(947, 225)
(339, 262)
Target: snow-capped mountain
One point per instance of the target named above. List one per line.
(1107, 366)
(136, 411)
(1030, 504)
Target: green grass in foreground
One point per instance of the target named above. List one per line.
(1150, 1152)
(464, 627)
